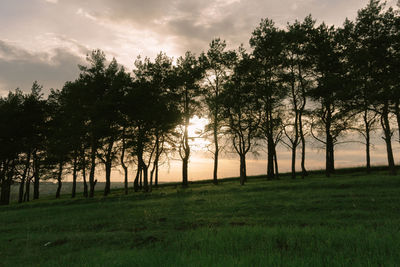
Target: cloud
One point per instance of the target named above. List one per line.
(192, 24)
(19, 68)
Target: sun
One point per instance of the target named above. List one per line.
(196, 131)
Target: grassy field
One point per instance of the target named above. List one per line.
(349, 219)
(48, 189)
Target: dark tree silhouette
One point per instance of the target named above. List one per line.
(372, 59)
(188, 74)
(218, 64)
(297, 77)
(242, 109)
(330, 118)
(267, 42)
(10, 138)
(151, 112)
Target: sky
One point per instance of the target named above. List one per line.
(45, 40)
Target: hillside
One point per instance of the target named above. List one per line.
(348, 219)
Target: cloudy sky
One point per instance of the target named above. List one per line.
(44, 40)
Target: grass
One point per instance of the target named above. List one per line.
(349, 219)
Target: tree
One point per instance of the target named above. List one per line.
(331, 119)
(188, 74)
(297, 65)
(73, 107)
(102, 89)
(267, 43)
(117, 80)
(218, 64)
(359, 96)
(10, 140)
(394, 36)
(242, 109)
(151, 114)
(373, 58)
(59, 139)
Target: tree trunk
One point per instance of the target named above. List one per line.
(141, 179)
(295, 140)
(7, 174)
(108, 166)
(27, 190)
(304, 172)
(185, 172)
(145, 177)
(36, 178)
(329, 149)
(367, 141)
(156, 177)
(23, 178)
(270, 170)
(85, 185)
(155, 163)
(293, 162)
(243, 175)
(59, 180)
(123, 162)
(107, 188)
(74, 175)
(185, 157)
(216, 152)
(5, 192)
(21, 191)
(136, 181)
(388, 138)
(301, 130)
(329, 155)
(93, 153)
(271, 146)
(276, 164)
(397, 110)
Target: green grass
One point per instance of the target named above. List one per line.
(349, 219)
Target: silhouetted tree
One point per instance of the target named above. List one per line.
(188, 74)
(152, 115)
(267, 41)
(218, 64)
(331, 119)
(242, 108)
(10, 140)
(372, 59)
(100, 93)
(297, 64)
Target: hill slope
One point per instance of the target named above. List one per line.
(348, 219)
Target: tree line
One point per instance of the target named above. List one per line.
(303, 80)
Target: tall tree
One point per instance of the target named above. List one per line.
(331, 119)
(297, 77)
(117, 80)
(188, 74)
(217, 62)
(374, 47)
(152, 115)
(359, 96)
(242, 109)
(267, 43)
(73, 107)
(10, 141)
(101, 92)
